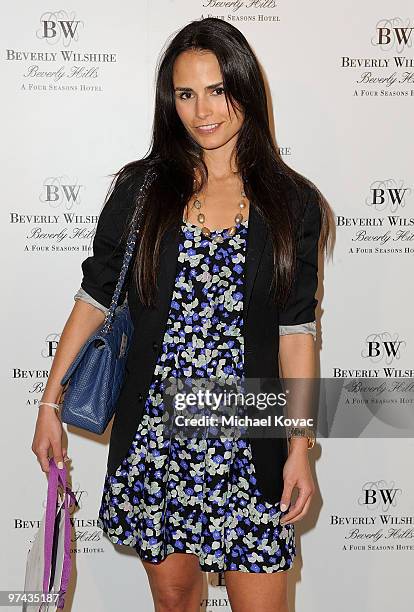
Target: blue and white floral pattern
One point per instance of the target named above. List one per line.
(197, 495)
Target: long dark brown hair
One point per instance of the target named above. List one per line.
(173, 154)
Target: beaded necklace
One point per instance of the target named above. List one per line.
(206, 231)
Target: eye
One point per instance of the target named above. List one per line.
(184, 93)
(219, 89)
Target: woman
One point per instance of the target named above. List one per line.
(224, 218)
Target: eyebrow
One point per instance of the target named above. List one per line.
(209, 87)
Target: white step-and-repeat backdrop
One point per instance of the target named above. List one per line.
(77, 100)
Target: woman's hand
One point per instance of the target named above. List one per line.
(296, 473)
(83, 321)
(48, 434)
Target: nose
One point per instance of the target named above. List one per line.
(203, 108)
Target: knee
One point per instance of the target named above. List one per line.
(172, 598)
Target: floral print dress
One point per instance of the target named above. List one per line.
(197, 495)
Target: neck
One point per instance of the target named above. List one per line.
(221, 164)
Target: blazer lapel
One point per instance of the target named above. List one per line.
(167, 268)
(257, 234)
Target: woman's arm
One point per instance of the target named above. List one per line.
(297, 324)
(100, 274)
(83, 321)
(297, 358)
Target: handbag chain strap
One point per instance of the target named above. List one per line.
(130, 246)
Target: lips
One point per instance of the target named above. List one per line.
(209, 128)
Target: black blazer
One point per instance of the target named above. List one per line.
(261, 317)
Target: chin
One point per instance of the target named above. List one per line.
(211, 145)
(212, 141)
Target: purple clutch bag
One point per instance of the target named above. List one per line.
(49, 563)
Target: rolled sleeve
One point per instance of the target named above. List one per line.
(301, 328)
(301, 304)
(85, 297)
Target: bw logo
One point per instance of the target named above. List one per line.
(379, 493)
(381, 346)
(59, 191)
(386, 193)
(51, 344)
(59, 27)
(393, 34)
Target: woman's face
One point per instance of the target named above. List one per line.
(200, 101)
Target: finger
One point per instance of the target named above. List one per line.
(304, 511)
(297, 506)
(43, 459)
(57, 453)
(286, 495)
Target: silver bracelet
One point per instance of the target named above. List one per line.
(56, 406)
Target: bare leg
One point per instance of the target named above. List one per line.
(176, 583)
(259, 592)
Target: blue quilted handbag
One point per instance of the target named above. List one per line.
(93, 382)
